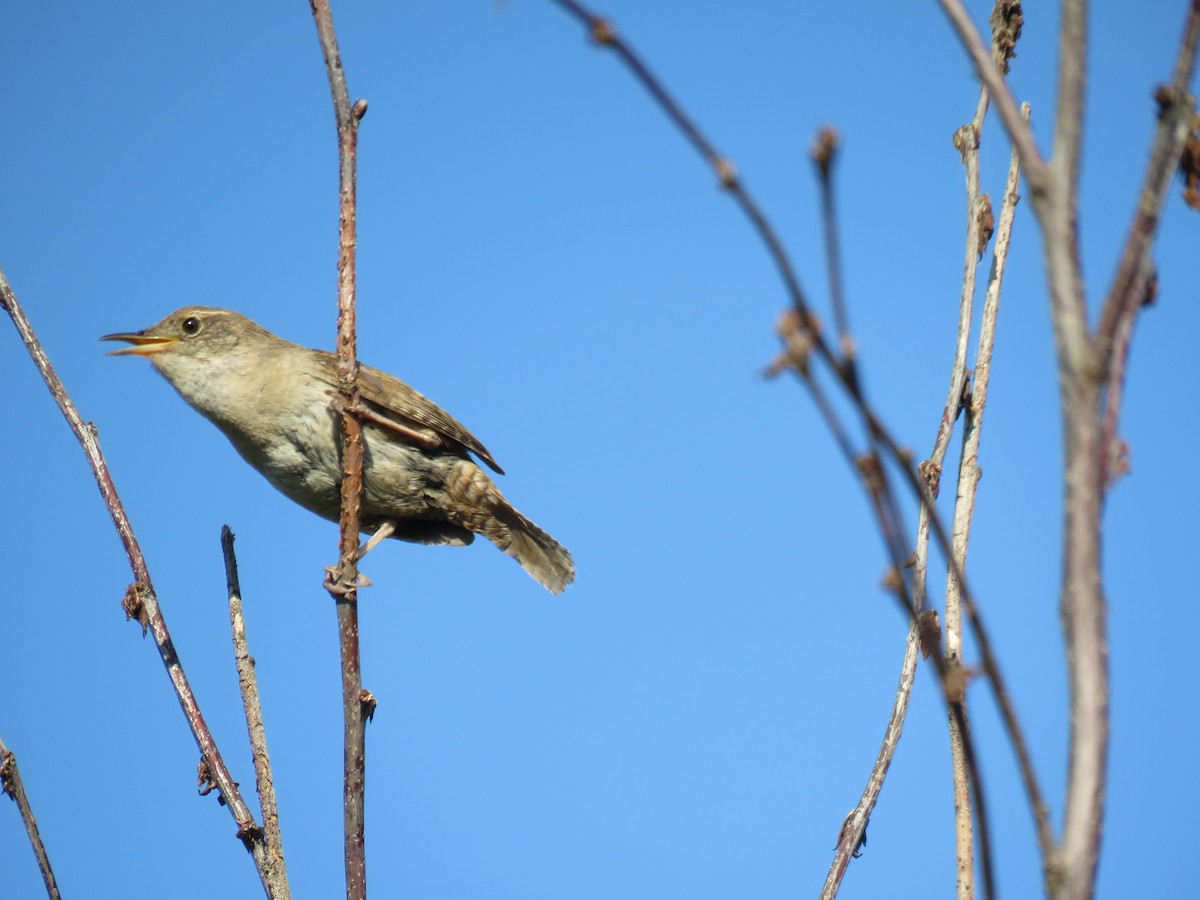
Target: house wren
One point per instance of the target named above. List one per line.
(275, 401)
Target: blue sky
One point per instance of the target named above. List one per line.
(542, 254)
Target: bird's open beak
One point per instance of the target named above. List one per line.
(143, 344)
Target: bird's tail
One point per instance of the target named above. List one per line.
(482, 509)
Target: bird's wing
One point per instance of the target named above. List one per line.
(396, 405)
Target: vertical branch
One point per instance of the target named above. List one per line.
(978, 211)
(966, 139)
(10, 783)
(1089, 438)
(1088, 366)
(1006, 21)
(1084, 614)
(343, 582)
(1068, 123)
(1083, 606)
(969, 474)
(1057, 209)
(974, 402)
(275, 880)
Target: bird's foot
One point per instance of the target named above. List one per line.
(385, 530)
(336, 582)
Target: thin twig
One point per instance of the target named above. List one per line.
(1006, 28)
(141, 601)
(1053, 185)
(950, 676)
(952, 679)
(798, 344)
(954, 686)
(344, 581)
(1133, 285)
(824, 154)
(275, 879)
(11, 784)
(966, 139)
(1072, 869)
(1032, 164)
(1115, 463)
(1072, 83)
(874, 481)
(1128, 290)
(969, 478)
(1185, 62)
(604, 34)
(853, 830)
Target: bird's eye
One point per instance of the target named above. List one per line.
(191, 325)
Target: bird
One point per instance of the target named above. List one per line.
(277, 403)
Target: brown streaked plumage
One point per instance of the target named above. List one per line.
(274, 401)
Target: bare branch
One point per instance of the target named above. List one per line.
(274, 871)
(1133, 284)
(141, 601)
(604, 34)
(1032, 163)
(966, 139)
(1185, 62)
(969, 480)
(1084, 614)
(854, 830)
(1116, 451)
(824, 154)
(1089, 443)
(1068, 120)
(1089, 450)
(875, 482)
(1071, 872)
(10, 783)
(344, 580)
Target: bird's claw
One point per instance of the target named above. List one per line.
(336, 583)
